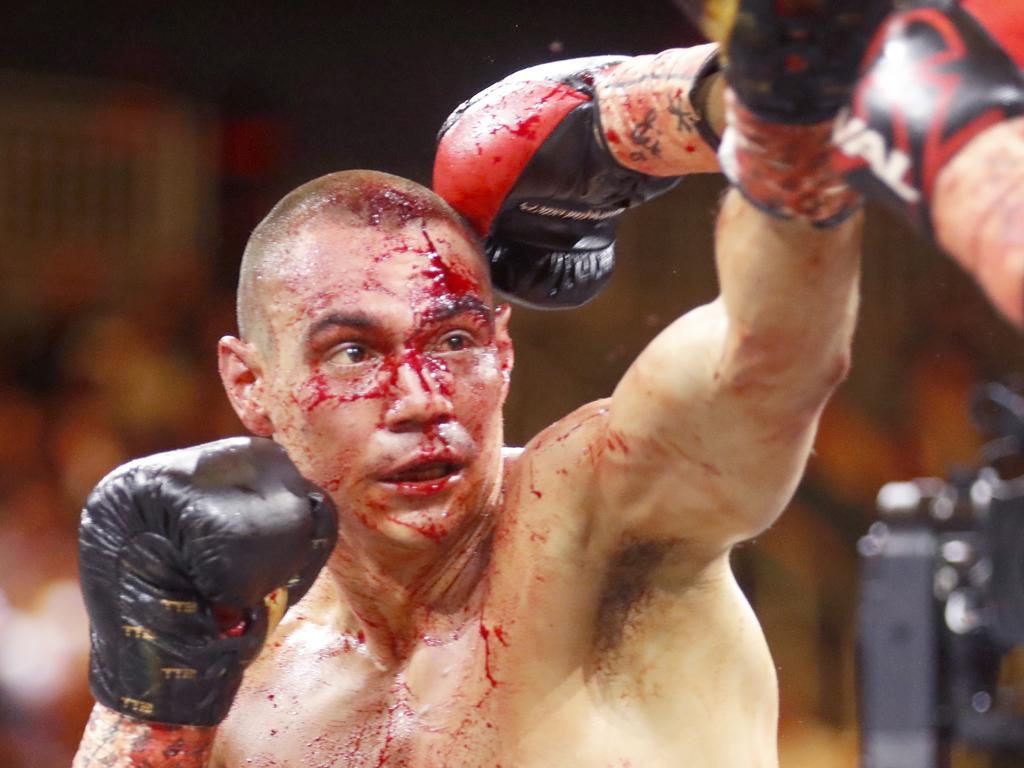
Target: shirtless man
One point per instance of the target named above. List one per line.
(567, 604)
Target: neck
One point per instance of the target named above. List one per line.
(396, 594)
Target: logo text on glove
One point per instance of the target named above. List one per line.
(565, 213)
(142, 707)
(857, 139)
(180, 606)
(178, 673)
(132, 630)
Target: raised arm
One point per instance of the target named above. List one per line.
(712, 425)
(715, 420)
(708, 433)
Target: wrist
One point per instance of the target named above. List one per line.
(657, 112)
(784, 169)
(112, 738)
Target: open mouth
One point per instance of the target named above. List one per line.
(424, 472)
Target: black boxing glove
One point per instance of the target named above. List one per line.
(185, 558)
(528, 164)
(933, 80)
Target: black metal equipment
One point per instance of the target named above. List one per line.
(942, 601)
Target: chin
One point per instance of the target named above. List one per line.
(424, 527)
(422, 514)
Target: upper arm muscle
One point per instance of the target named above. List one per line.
(701, 453)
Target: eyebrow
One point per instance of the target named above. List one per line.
(360, 320)
(464, 305)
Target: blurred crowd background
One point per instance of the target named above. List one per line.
(141, 142)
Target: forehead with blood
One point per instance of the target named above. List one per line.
(407, 280)
(448, 280)
(429, 263)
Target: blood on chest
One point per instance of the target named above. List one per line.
(315, 701)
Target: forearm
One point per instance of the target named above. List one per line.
(112, 739)
(789, 292)
(977, 208)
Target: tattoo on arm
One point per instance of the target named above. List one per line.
(651, 116)
(113, 740)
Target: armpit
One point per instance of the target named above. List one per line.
(627, 586)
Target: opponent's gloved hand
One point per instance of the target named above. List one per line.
(933, 79)
(187, 559)
(531, 165)
(790, 65)
(791, 61)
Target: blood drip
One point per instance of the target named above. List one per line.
(486, 635)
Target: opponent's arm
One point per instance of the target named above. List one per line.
(187, 560)
(544, 163)
(935, 131)
(711, 427)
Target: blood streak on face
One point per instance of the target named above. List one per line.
(447, 283)
(391, 372)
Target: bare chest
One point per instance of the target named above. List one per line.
(326, 704)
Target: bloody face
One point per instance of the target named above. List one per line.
(387, 372)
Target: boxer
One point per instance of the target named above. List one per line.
(570, 603)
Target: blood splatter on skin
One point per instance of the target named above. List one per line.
(485, 633)
(170, 746)
(616, 441)
(400, 291)
(448, 283)
(438, 289)
(381, 201)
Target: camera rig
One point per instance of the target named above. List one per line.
(942, 603)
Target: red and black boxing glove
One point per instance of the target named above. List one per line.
(530, 165)
(934, 78)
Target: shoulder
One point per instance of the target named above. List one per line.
(548, 483)
(563, 454)
(570, 434)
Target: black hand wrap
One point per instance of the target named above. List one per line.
(935, 79)
(791, 61)
(526, 162)
(173, 545)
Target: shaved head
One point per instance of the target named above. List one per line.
(352, 198)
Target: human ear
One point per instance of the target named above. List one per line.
(241, 373)
(503, 341)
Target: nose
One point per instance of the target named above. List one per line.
(418, 398)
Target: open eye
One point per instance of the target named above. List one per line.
(456, 341)
(349, 353)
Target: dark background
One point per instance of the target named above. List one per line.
(109, 317)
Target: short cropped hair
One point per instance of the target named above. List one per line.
(354, 198)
